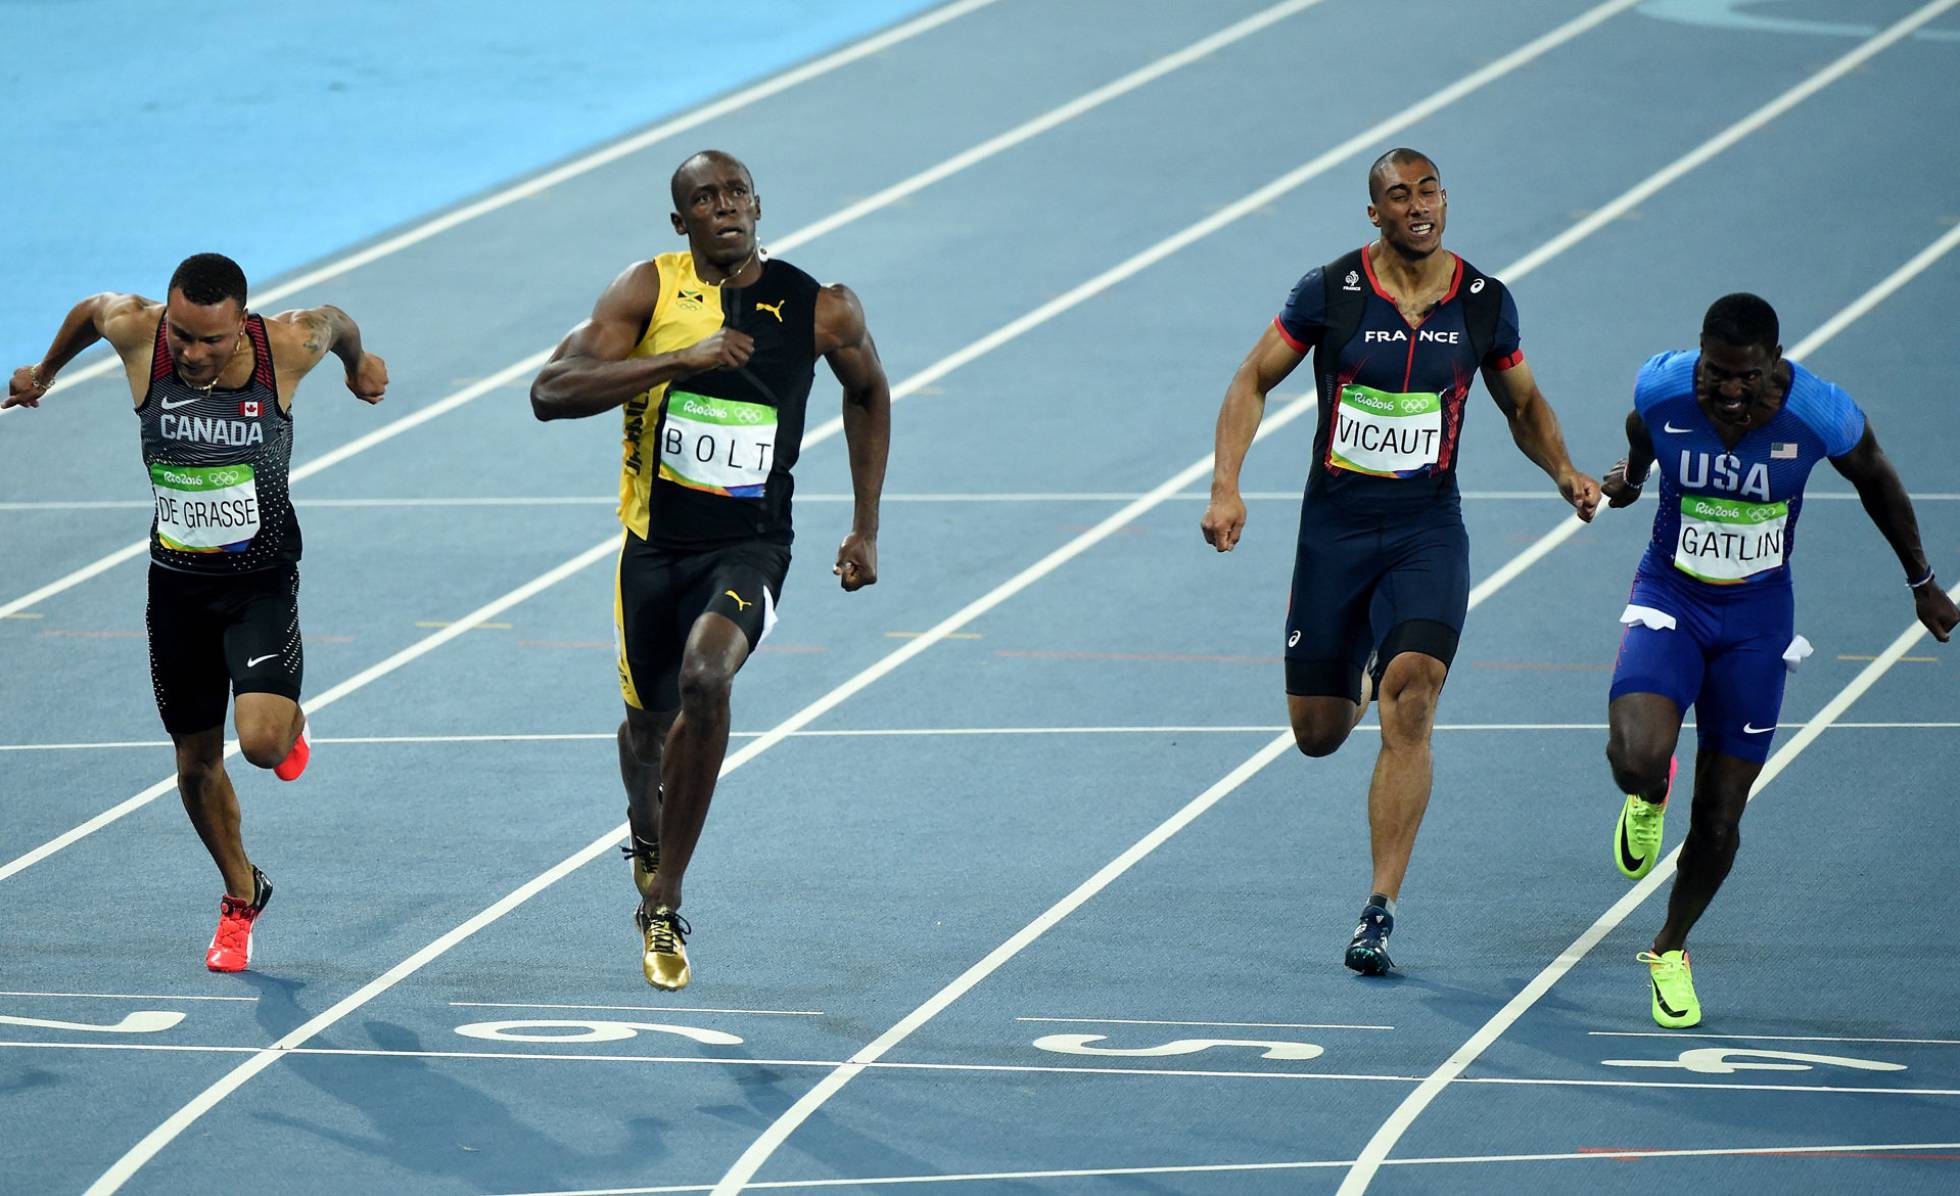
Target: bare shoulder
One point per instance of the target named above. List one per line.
(839, 301)
(633, 292)
(127, 321)
(840, 317)
(311, 329)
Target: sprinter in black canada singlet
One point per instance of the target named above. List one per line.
(214, 388)
(1382, 571)
(709, 353)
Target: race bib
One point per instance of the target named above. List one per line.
(721, 446)
(1725, 540)
(205, 508)
(1388, 435)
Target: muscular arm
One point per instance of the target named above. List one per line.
(846, 344)
(324, 330)
(1265, 367)
(1629, 474)
(117, 318)
(590, 371)
(1534, 427)
(1884, 496)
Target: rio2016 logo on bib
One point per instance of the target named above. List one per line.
(1725, 540)
(721, 446)
(205, 508)
(1385, 434)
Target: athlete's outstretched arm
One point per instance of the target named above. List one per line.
(846, 344)
(1623, 482)
(1870, 471)
(590, 372)
(327, 329)
(107, 315)
(1270, 361)
(1534, 426)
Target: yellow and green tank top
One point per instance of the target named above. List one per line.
(707, 458)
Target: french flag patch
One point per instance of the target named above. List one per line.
(1777, 452)
(249, 409)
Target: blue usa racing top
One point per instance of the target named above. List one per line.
(1728, 517)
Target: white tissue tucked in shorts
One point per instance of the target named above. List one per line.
(1794, 654)
(1653, 620)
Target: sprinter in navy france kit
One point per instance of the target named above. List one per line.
(1398, 331)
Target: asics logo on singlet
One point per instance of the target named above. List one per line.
(1293, 641)
(1477, 286)
(203, 429)
(775, 309)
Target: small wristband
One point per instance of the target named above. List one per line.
(1913, 585)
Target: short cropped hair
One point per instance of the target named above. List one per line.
(1742, 320)
(209, 278)
(712, 155)
(1399, 156)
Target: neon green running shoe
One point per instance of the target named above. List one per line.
(1673, 982)
(1637, 838)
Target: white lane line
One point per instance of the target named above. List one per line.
(929, 733)
(976, 498)
(1133, 1021)
(1878, 1149)
(864, 48)
(636, 1008)
(521, 370)
(610, 545)
(1375, 1153)
(1399, 1121)
(131, 1162)
(126, 996)
(765, 1145)
(1769, 1037)
(314, 705)
(990, 1069)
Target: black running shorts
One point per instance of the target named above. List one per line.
(659, 593)
(1390, 583)
(212, 636)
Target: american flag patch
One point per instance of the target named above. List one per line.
(1782, 452)
(249, 409)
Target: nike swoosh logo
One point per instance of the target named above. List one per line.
(1748, 729)
(170, 406)
(1628, 860)
(256, 660)
(1668, 426)
(1669, 1010)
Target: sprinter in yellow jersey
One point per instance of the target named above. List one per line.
(710, 353)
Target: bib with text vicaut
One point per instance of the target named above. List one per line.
(1385, 434)
(721, 446)
(205, 508)
(1726, 540)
